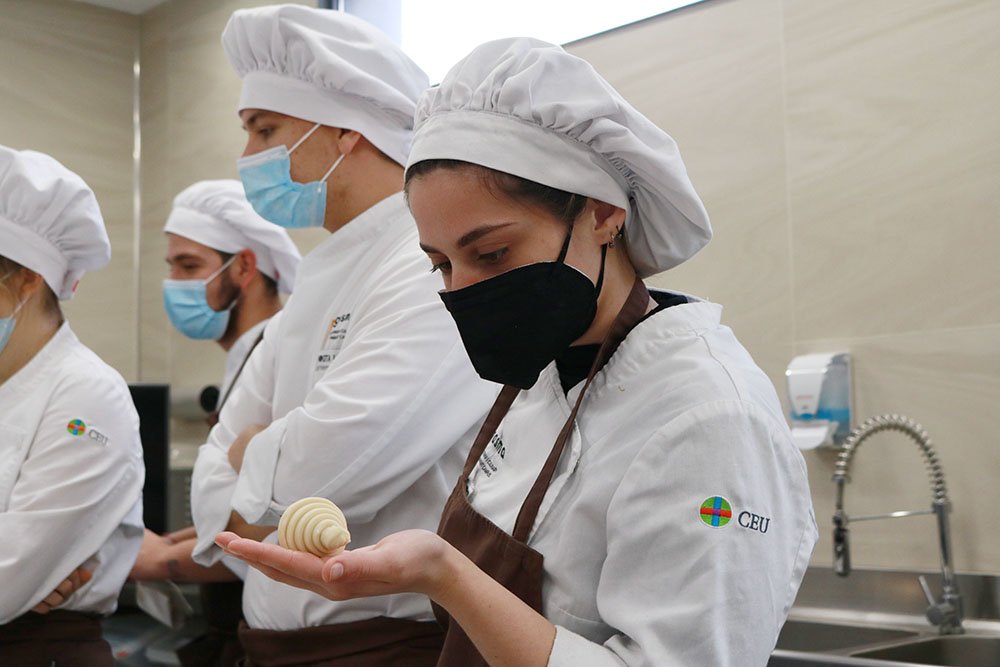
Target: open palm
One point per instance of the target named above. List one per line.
(408, 561)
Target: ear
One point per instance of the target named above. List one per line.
(608, 219)
(347, 141)
(246, 267)
(30, 284)
(23, 284)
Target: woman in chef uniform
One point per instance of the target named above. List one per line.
(71, 468)
(634, 496)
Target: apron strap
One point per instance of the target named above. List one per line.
(213, 417)
(628, 317)
(239, 371)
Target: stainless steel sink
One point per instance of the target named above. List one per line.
(951, 651)
(823, 637)
(872, 619)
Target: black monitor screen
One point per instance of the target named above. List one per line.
(152, 401)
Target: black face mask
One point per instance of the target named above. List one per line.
(515, 324)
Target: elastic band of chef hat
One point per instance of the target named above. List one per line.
(217, 214)
(326, 67)
(49, 220)
(529, 108)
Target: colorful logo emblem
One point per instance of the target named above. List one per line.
(716, 512)
(76, 427)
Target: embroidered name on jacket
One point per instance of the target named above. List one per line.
(493, 456)
(332, 341)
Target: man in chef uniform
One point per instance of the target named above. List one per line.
(361, 391)
(71, 469)
(228, 268)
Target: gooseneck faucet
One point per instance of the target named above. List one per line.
(946, 613)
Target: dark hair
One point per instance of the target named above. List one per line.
(564, 206)
(270, 284)
(49, 299)
(8, 266)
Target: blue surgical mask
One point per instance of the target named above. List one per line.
(186, 303)
(8, 323)
(267, 181)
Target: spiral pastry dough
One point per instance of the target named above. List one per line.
(314, 525)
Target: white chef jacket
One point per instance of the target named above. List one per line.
(235, 358)
(236, 355)
(372, 403)
(633, 574)
(71, 475)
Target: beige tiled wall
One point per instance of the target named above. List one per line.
(188, 113)
(66, 88)
(190, 132)
(848, 152)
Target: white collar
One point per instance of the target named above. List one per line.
(33, 371)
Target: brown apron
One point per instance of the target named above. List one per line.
(58, 638)
(508, 558)
(374, 642)
(222, 607)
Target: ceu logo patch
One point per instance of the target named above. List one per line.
(716, 512)
(77, 427)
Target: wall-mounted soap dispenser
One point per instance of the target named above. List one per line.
(819, 393)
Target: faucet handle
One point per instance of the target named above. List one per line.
(931, 601)
(943, 614)
(841, 546)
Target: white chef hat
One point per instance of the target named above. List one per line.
(49, 220)
(327, 67)
(217, 214)
(529, 108)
